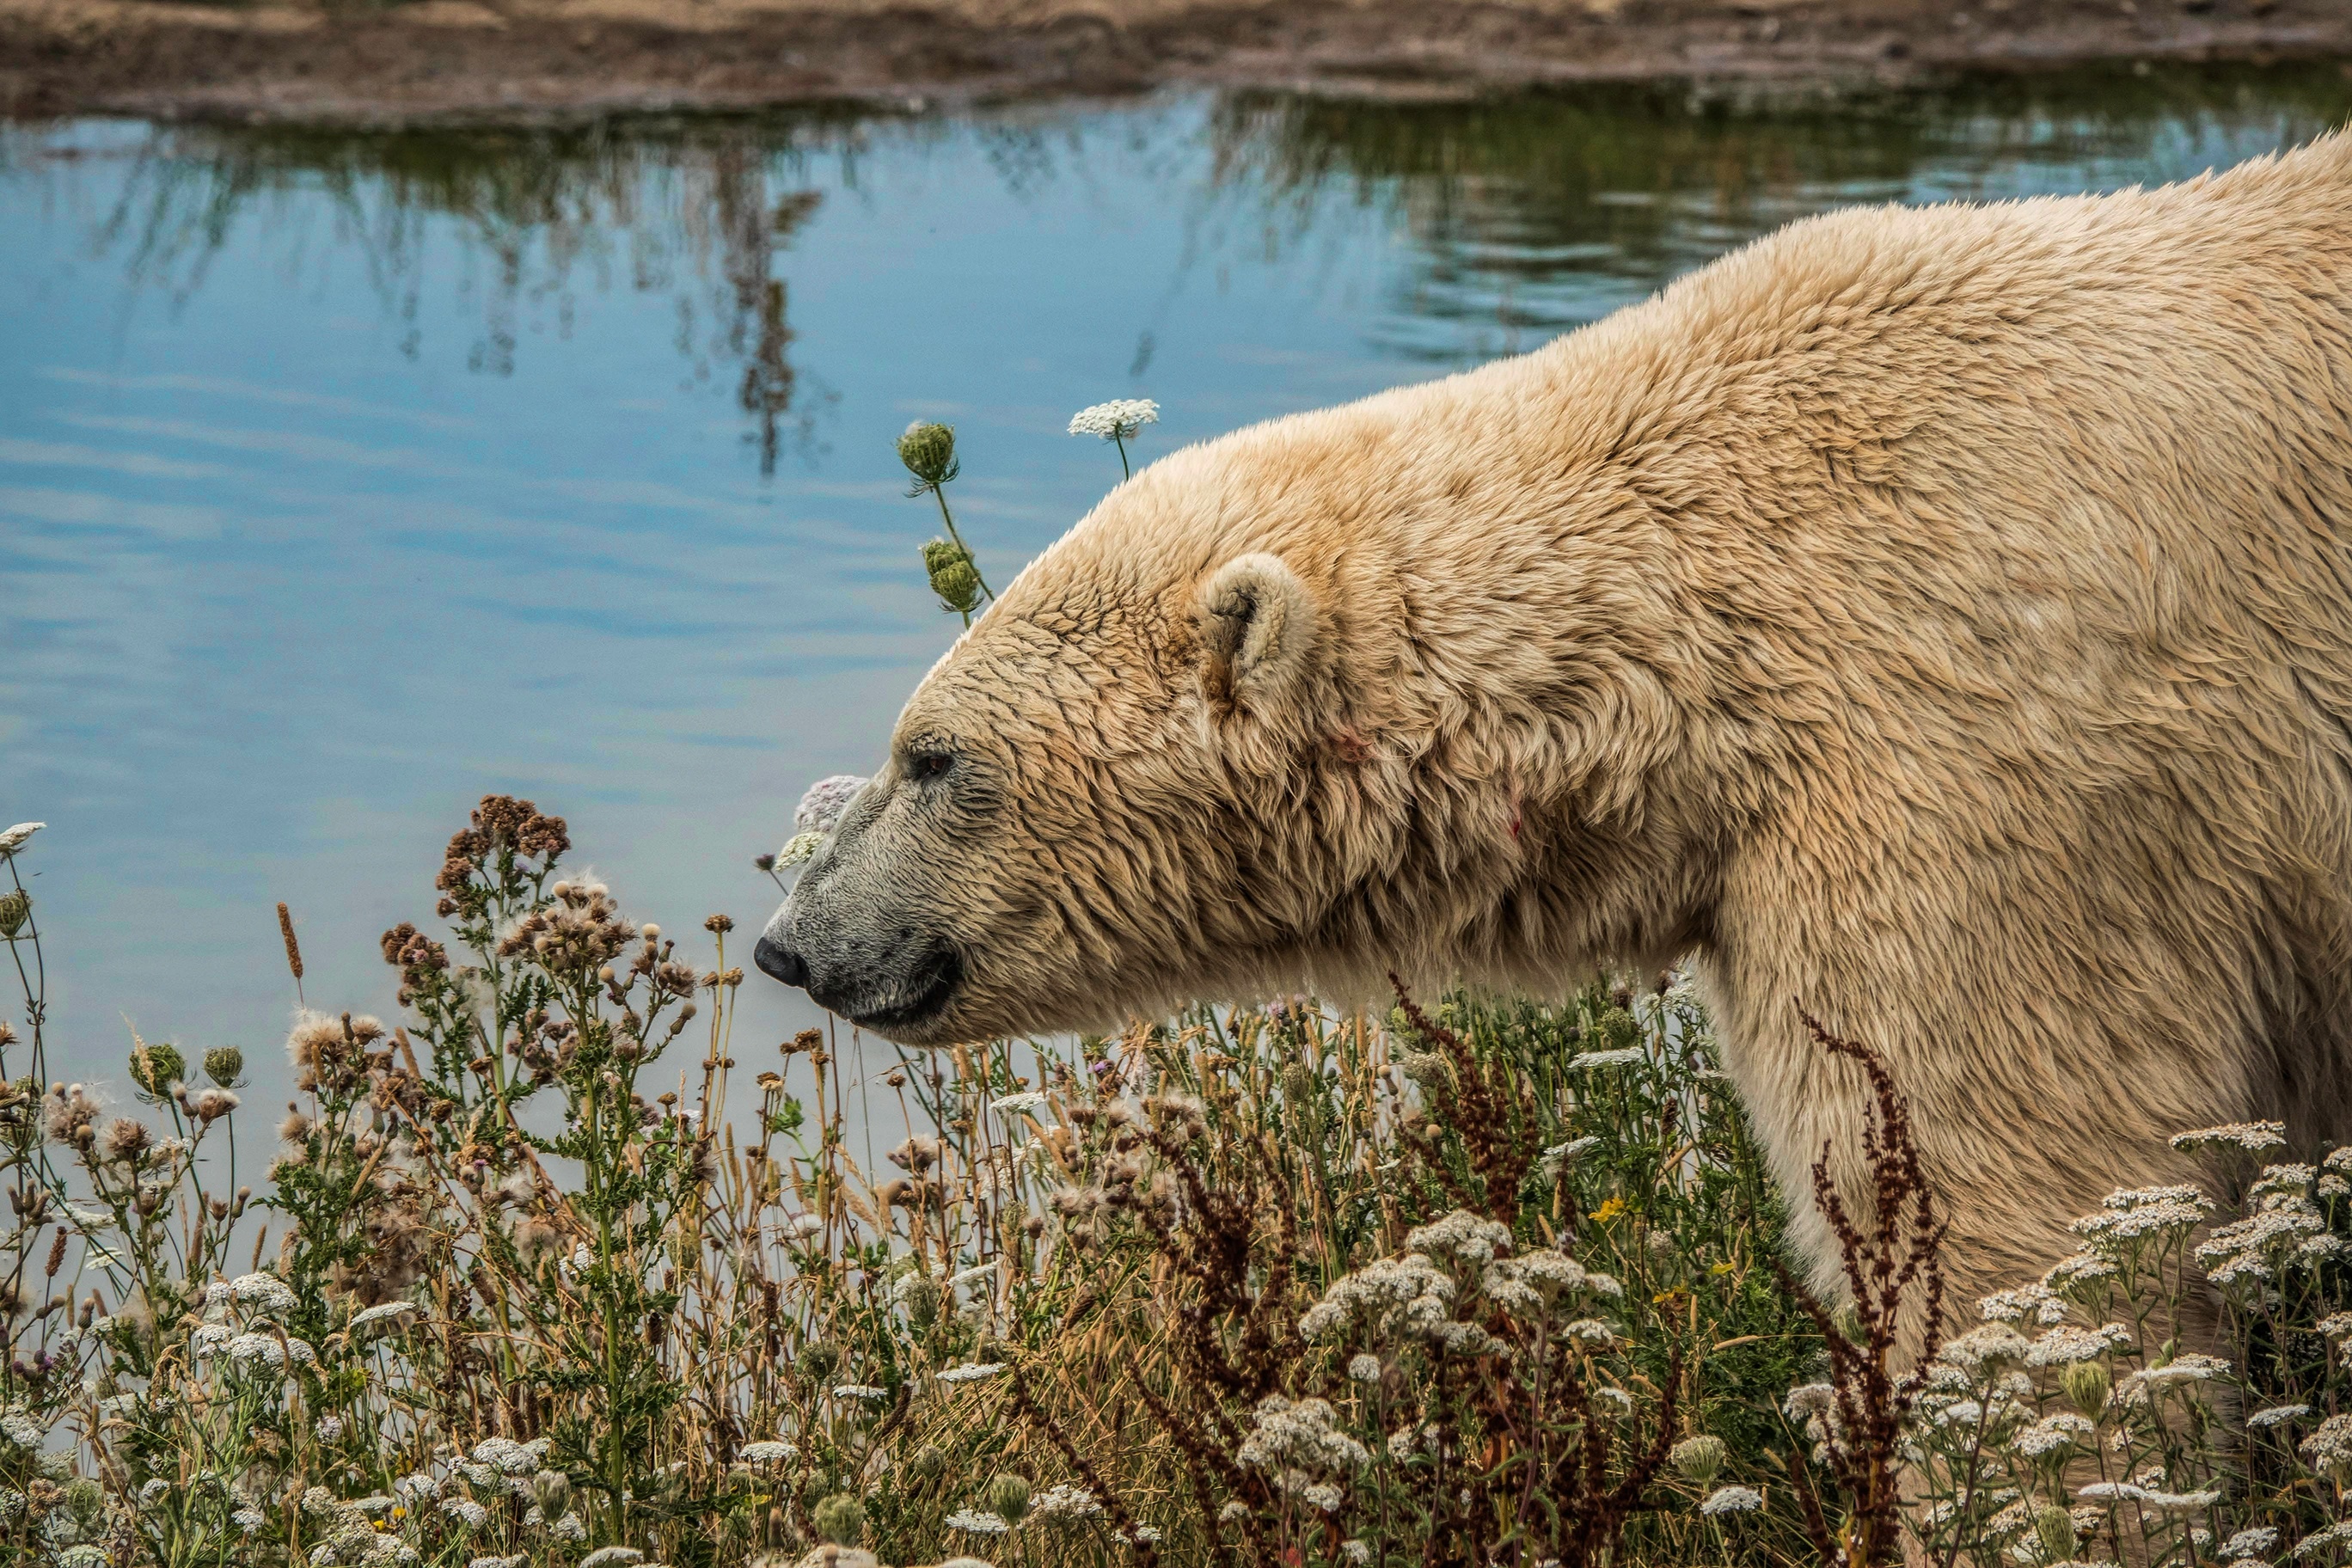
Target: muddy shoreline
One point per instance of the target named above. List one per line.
(443, 60)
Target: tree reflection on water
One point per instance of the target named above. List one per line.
(1521, 216)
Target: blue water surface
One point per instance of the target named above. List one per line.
(347, 476)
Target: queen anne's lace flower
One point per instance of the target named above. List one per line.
(384, 1313)
(1625, 1058)
(1364, 1369)
(1014, 1104)
(972, 1372)
(2249, 1542)
(1732, 1499)
(768, 1451)
(2278, 1415)
(1064, 1501)
(978, 1521)
(1116, 420)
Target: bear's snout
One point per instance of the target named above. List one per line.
(777, 962)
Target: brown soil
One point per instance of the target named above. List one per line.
(299, 60)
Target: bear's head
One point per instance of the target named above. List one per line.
(1258, 723)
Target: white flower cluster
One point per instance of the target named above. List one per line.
(2056, 1435)
(1732, 1499)
(1529, 1284)
(513, 1457)
(979, 1522)
(1409, 1294)
(264, 1293)
(2288, 1231)
(2136, 1212)
(1462, 1236)
(970, 1372)
(2256, 1136)
(2037, 1302)
(1116, 420)
(1028, 1100)
(1299, 1434)
(2148, 1498)
(2066, 1344)
(768, 1451)
(387, 1313)
(1064, 1501)
(1626, 1057)
(2329, 1449)
(2190, 1367)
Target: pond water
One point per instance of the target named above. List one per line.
(346, 477)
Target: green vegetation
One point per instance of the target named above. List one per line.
(1500, 1283)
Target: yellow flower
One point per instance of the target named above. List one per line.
(1610, 1210)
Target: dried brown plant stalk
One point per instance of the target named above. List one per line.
(1882, 1258)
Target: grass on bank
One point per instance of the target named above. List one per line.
(1274, 1285)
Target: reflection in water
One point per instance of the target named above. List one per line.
(701, 214)
(1526, 216)
(345, 477)
(1534, 214)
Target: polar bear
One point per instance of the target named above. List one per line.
(1937, 619)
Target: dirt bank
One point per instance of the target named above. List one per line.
(453, 58)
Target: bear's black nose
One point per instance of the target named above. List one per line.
(777, 962)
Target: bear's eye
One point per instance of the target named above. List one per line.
(922, 765)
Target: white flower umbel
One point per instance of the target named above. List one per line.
(1300, 1442)
(1732, 1499)
(2253, 1135)
(970, 1372)
(1115, 422)
(264, 1293)
(2278, 1415)
(1466, 1237)
(979, 1522)
(1064, 1501)
(768, 1451)
(1028, 1100)
(384, 1313)
(2066, 1344)
(13, 840)
(859, 1391)
(1409, 1294)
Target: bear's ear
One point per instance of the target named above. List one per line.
(1258, 629)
